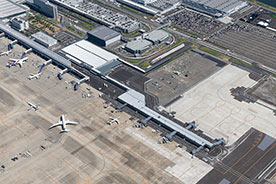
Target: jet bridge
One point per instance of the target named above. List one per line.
(27, 51)
(76, 86)
(144, 122)
(10, 46)
(45, 64)
(136, 100)
(61, 73)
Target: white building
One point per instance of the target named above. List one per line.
(44, 39)
(216, 7)
(19, 24)
(9, 9)
(90, 56)
(144, 2)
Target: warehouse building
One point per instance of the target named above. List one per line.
(9, 9)
(103, 36)
(216, 8)
(90, 56)
(144, 2)
(44, 39)
(157, 36)
(138, 46)
(139, 7)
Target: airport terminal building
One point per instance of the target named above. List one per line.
(217, 8)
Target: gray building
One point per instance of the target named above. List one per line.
(44, 7)
(138, 46)
(144, 2)
(19, 24)
(44, 39)
(216, 8)
(103, 36)
(157, 36)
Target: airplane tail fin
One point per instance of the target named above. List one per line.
(64, 131)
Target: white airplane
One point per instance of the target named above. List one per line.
(17, 62)
(113, 120)
(33, 106)
(31, 76)
(63, 124)
(5, 53)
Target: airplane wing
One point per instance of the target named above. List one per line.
(11, 59)
(57, 124)
(20, 64)
(71, 123)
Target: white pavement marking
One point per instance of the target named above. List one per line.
(211, 104)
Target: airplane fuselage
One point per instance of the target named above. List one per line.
(63, 123)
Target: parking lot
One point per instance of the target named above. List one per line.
(173, 79)
(103, 15)
(253, 42)
(65, 38)
(195, 22)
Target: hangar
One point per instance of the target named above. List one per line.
(91, 56)
(103, 36)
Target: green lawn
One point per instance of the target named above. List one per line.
(240, 62)
(236, 61)
(70, 28)
(210, 51)
(80, 33)
(274, 16)
(133, 61)
(145, 64)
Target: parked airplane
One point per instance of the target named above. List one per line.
(17, 62)
(31, 76)
(33, 106)
(63, 124)
(5, 53)
(113, 120)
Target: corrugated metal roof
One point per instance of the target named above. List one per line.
(89, 53)
(9, 8)
(222, 5)
(157, 35)
(140, 44)
(105, 68)
(104, 33)
(44, 38)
